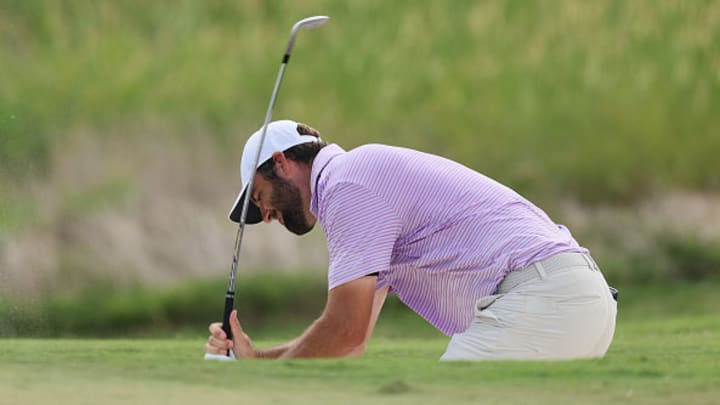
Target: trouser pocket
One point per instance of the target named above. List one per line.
(482, 306)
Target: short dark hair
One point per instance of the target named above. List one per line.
(303, 153)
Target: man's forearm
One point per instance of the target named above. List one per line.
(321, 339)
(344, 327)
(275, 351)
(328, 338)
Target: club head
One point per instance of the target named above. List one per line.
(305, 23)
(312, 22)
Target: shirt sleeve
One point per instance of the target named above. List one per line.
(361, 231)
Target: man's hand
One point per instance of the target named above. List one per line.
(218, 343)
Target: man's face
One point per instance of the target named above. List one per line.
(280, 199)
(286, 198)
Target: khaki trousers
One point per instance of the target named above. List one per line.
(558, 308)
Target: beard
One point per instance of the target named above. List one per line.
(286, 199)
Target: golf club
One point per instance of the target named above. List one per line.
(306, 23)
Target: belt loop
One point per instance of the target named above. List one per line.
(540, 270)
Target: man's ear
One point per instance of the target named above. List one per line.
(281, 164)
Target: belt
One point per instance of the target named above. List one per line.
(539, 270)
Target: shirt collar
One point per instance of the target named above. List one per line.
(321, 160)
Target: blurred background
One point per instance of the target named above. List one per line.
(122, 122)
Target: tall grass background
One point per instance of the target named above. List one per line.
(121, 125)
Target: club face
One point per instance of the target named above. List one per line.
(312, 22)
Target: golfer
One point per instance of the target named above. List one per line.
(471, 256)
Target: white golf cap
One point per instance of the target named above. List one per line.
(281, 136)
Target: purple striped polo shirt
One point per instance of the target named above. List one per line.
(439, 234)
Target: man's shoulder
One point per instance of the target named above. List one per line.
(379, 156)
(360, 169)
(378, 149)
(365, 164)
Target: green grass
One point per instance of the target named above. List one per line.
(663, 360)
(666, 350)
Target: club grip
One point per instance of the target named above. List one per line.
(229, 304)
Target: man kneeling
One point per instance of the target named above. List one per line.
(471, 256)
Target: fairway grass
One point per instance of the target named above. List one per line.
(657, 360)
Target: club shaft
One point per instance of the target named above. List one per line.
(248, 192)
(230, 295)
